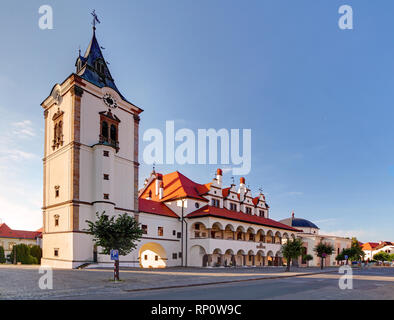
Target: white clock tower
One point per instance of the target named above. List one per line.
(90, 159)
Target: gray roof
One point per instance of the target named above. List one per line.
(298, 222)
(88, 70)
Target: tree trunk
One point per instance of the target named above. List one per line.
(322, 259)
(288, 265)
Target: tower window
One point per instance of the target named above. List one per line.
(106, 153)
(57, 129)
(106, 176)
(144, 228)
(104, 130)
(109, 129)
(56, 220)
(160, 231)
(57, 191)
(56, 252)
(106, 196)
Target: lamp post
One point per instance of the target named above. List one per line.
(182, 221)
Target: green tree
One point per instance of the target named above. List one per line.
(381, 256)
(22, 254)
(356, 252)
(110, 234)
(307, 258)
(322, 250)
(2, 256)
(36, 252)
(292, 249)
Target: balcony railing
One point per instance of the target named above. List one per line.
(109, 142)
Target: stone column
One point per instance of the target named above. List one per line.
(222, 258)
(233, 260)
(209, 260)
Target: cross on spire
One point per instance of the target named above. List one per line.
(232, 178)
(95, 19)
(261, 190)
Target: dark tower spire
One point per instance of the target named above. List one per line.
(92, 66)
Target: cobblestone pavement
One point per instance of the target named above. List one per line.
(21, 282)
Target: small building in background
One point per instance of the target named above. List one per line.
(372, 248)
(10, 237)
(310, 237)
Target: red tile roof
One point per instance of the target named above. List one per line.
(239, 216)
(369, 245)
(177, 186)
(156, 207)
(7, 232)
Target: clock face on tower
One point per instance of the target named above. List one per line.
(110, 101)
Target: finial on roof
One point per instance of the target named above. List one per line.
(292, 214)
(95, 20)
(153, 168)
(232, 179)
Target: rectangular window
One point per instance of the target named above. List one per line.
(233, 207)
(146, 257)
(174, 256)
(261, 213)
(180, 255)
(197, 226)
(56, 252)
(144, 228)
(106, 176)
(248, 210)
(106, 153)
(106, 196)
(215, 203)
(57, 193)
(160, 231)
(179, 235)
(174, 232)
(56, 221)
(156, 258)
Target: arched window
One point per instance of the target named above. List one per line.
(104, 130)
(113, 133)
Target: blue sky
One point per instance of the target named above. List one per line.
(319, 100)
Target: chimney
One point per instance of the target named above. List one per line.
(219, 175)
(242, 188)
(161, 190)
(159, 178)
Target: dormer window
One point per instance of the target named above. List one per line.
(99, 66)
